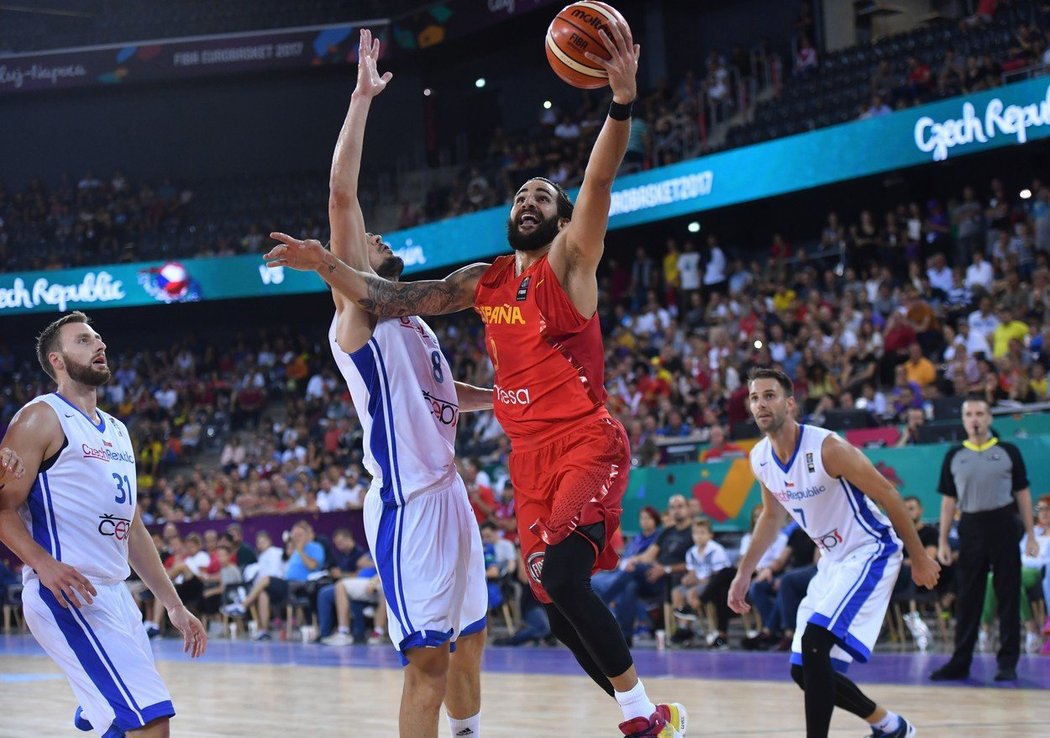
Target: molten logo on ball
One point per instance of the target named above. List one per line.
(572, 35)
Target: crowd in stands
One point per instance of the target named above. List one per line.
(937, 60)
(114, 218)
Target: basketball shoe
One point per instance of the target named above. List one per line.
(81, 722)
(904, 730)
(667, 722)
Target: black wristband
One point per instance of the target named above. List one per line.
(619, 111)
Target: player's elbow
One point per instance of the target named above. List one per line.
(340, 198)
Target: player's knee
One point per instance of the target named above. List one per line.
(798, 675)
(427, 668)
(816, 641)
(560, 582)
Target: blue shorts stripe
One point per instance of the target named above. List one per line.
(38, 514)
(127, 716)
(384, 560)
(837, 664)
(876, 569)
(116, 674)
(476, 627)
(400, 568)
(51, 516)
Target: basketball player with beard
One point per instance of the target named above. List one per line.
(570, 458)
(73, 520)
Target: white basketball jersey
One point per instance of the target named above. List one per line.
(80, 508)
(835, 514)
(406, 401)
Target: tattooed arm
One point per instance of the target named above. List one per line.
(373, 293)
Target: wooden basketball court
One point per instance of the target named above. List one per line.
(275, 689)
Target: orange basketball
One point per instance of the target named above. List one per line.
(574, 32)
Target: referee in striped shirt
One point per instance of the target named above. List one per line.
(986, 479)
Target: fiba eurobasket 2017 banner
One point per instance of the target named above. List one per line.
(296, 48)
(263, 50)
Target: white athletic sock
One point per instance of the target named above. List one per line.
(468, 728)
(888, 723)
(635, 703)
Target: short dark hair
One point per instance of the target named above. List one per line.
(975, 397)
(703, 523)
(762, 372)
(565, 206)
(912, 497)
(47, 341)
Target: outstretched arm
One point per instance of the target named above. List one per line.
(580, 245)
(844, 460)
(472, 398)
(373, 293)
(344, 210)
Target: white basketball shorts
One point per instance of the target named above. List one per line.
(105, 654)
(430, 561)
(849, 598)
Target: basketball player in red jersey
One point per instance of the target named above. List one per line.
(570, 458)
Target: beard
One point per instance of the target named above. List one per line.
(391, 268)
(86, 373)
(541, 235)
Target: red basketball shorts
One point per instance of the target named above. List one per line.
(573, 482)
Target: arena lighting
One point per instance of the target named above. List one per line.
(479, 82)
(427, 92)
(758, 344)
(1026, 193)
(547, 105)
(694, 227)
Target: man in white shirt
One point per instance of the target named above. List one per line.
(688, 271)
(979, 274)
(715, 271)
(982, 324)
(940, 273)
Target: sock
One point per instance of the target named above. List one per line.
(467, 728)
(888, 723)
(344, 631)
(635, 703)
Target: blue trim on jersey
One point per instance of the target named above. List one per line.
(378, 442)
(38, 514)
(127, 715)
(837, 664)
(879, 529)
(114, 732)
(390, 410)
(100, 427)
(51, 514)
(798, 444)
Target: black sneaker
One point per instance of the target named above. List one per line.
(950, 672)
(1006, 674)
(682, 635)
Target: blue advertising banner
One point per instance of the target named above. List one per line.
(1007, 116)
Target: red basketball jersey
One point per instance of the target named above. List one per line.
(549, 360)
